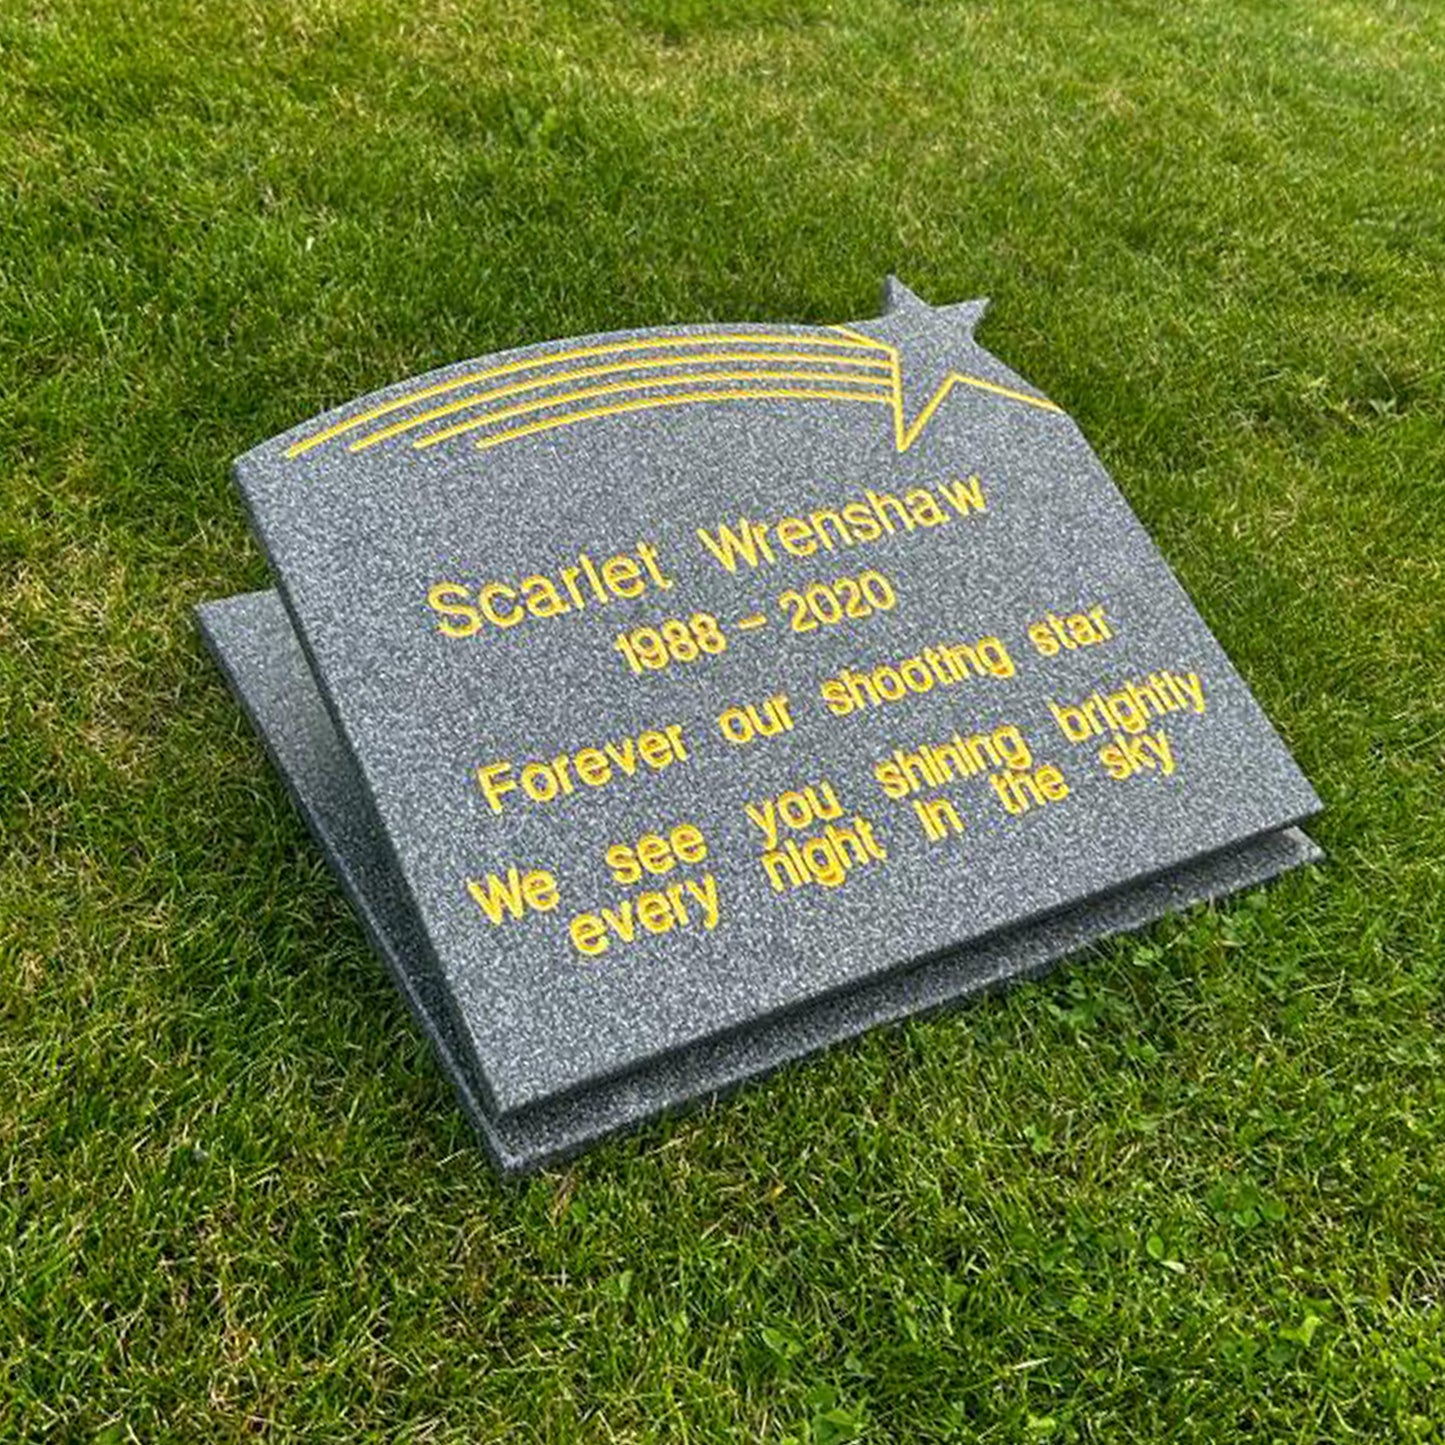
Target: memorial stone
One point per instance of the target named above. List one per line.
(673, 703)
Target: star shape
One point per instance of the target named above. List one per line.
(927, 344)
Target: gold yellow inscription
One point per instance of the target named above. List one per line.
(544, 781)
(826, 858)
(1125, 715)
(1053, 633)
(1021, 792)
(657, 855)
(694, 901)
(906, 772)
(1128, 757)
(826, 604)
(744, 722)
(860, 520)
(1130, 708)
(945, 664)
(466, 609)
(651, 649)
(515, 894)
(688, 903)
(938, 818)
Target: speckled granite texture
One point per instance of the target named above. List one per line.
(1027, 671)
(251, 638)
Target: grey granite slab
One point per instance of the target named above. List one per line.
(1001, 699)
(252, 639)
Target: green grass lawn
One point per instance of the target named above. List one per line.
(1189, 1189)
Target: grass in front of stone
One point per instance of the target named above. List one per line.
(1189, 1189)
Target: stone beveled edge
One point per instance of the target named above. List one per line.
(252, 639)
